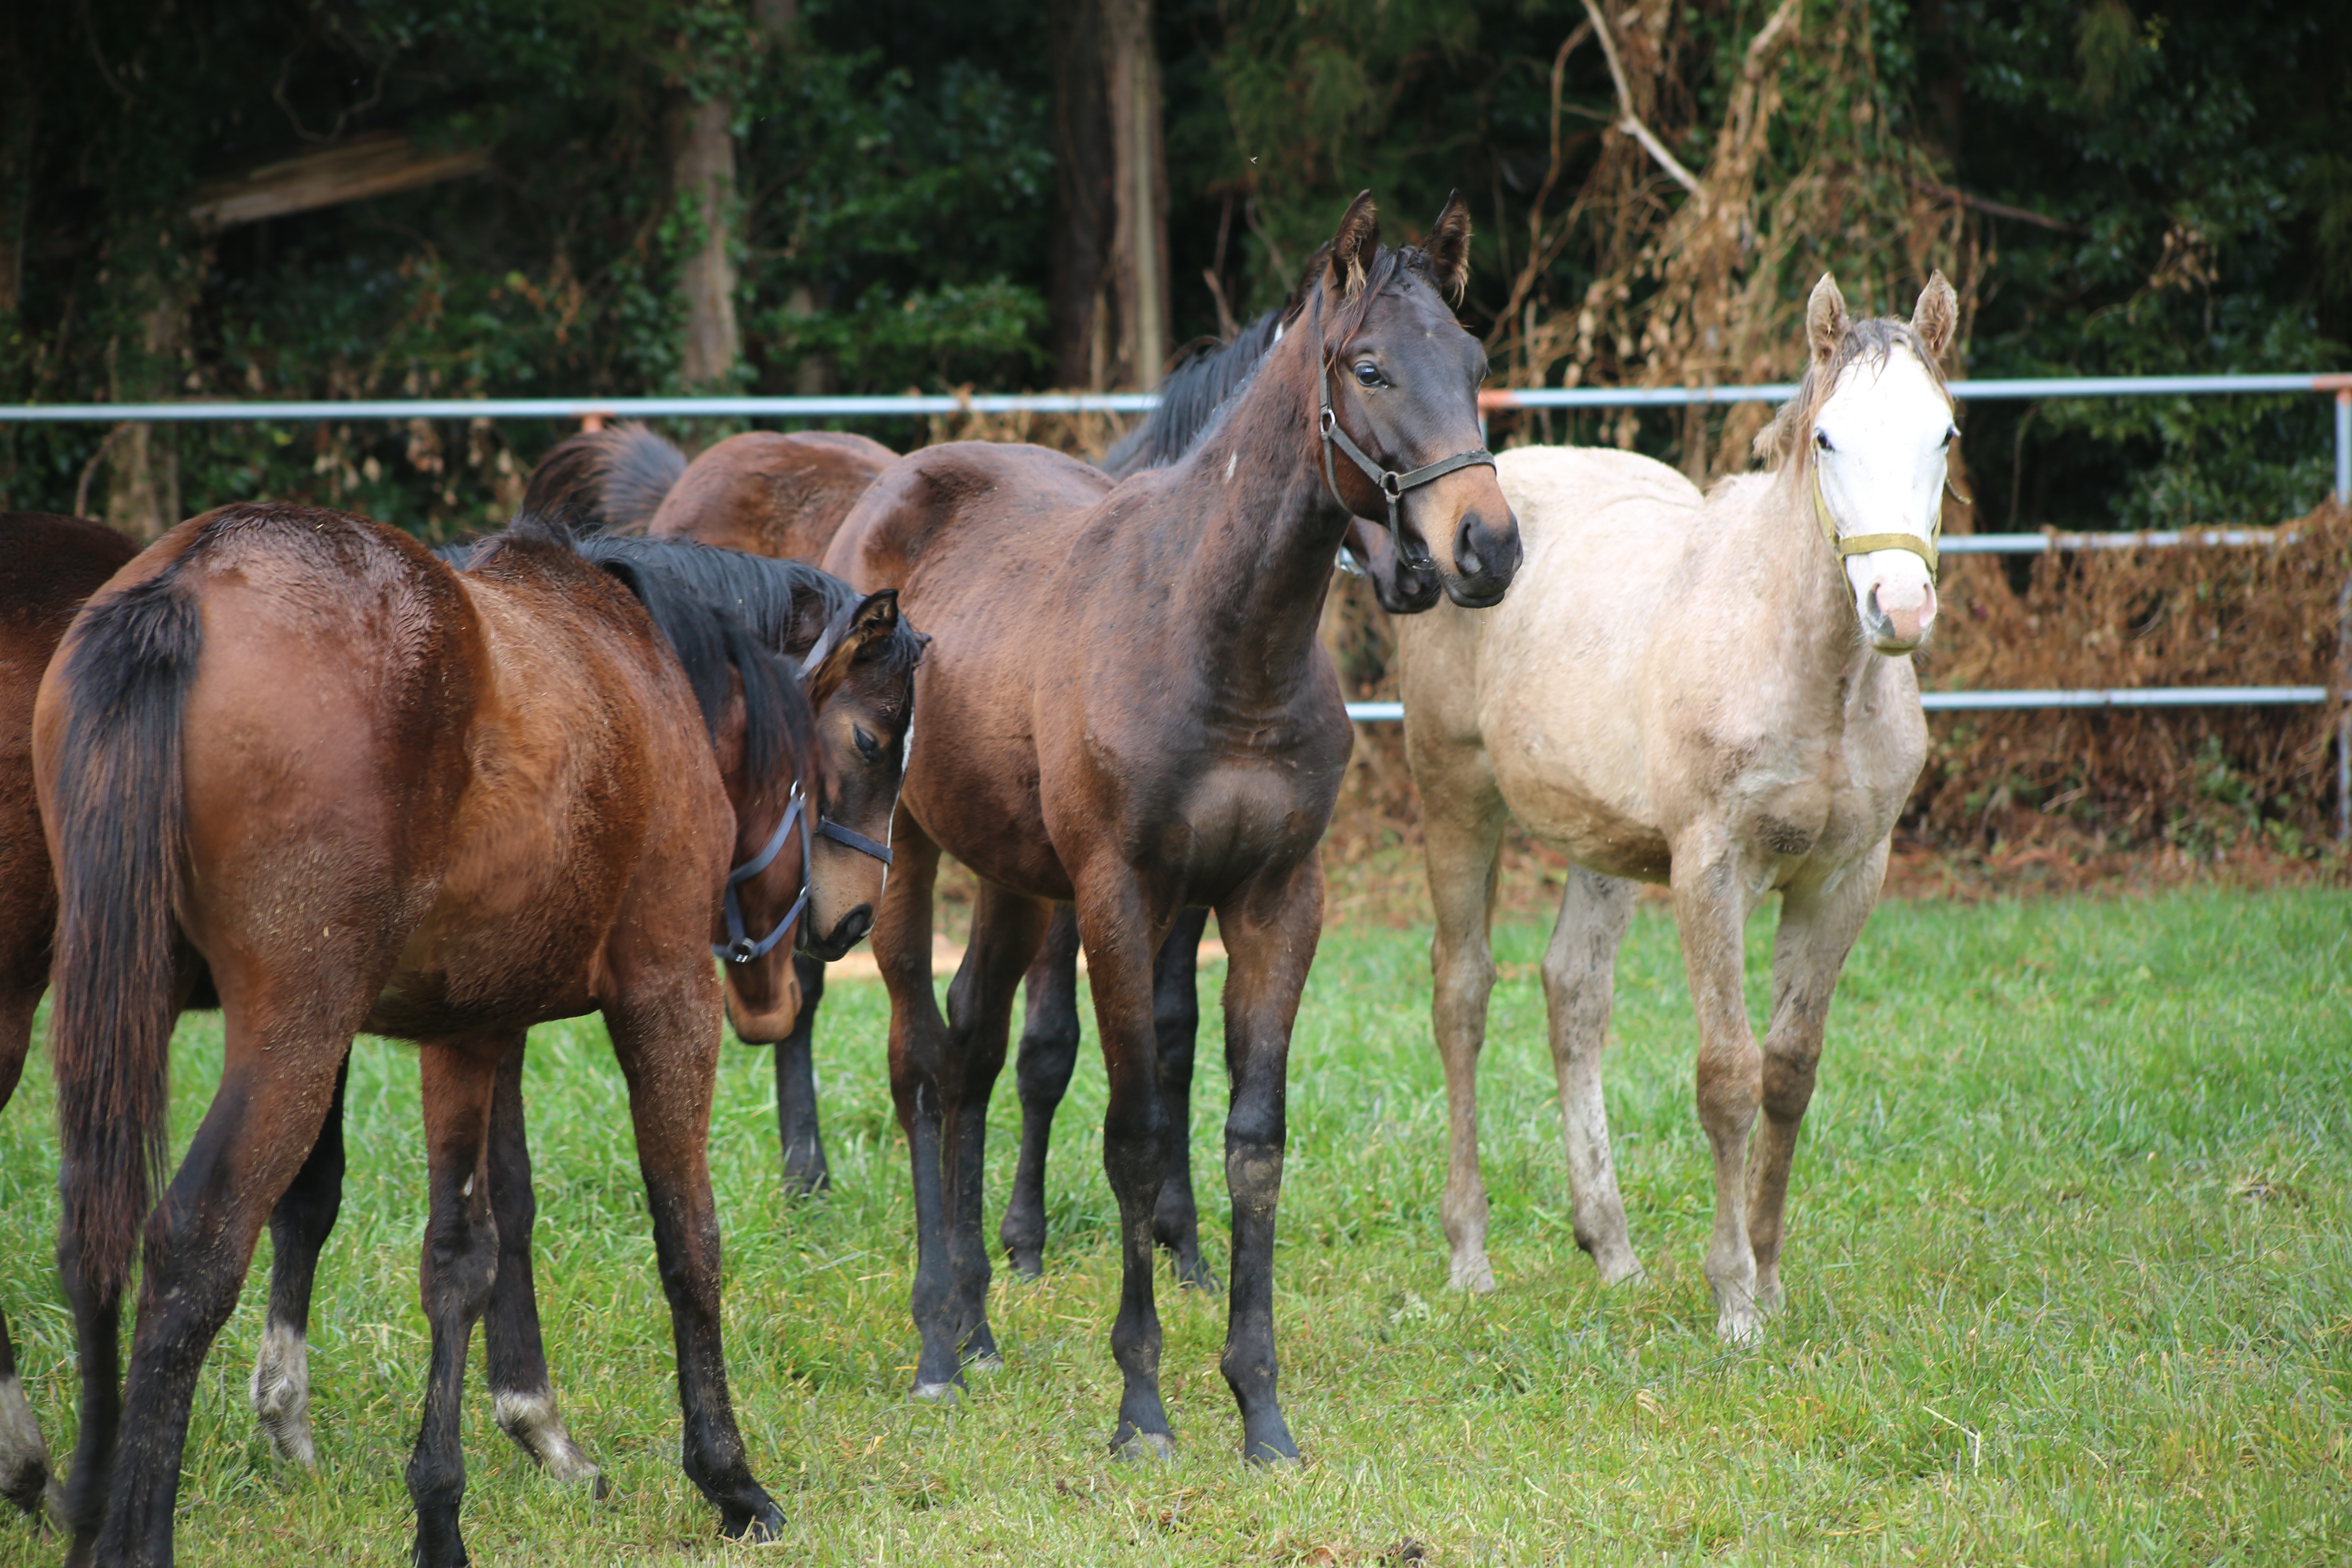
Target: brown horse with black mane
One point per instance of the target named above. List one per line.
(1183, 747)
(497, 797)
(48, 565)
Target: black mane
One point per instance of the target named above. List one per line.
(711, 632)
(1190, 396)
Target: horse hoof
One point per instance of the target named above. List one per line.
(1474, 1276)
(1144, 1448)
(987, 1361)
(759, 1526)
(1744, 1329)
(937, 1393)
(1628, 1271)
(1275, 1450)
(1028, 1267)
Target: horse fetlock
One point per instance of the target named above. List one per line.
(280, 1390)
(530, 1418)
(948, 1392)
(1738, 1318)
(24, 1477)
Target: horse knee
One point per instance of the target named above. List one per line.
(1786, 1085)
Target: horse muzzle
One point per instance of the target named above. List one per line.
(848, 933)
(1898, 616)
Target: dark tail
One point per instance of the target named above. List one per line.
(121, 822)
(607, 482)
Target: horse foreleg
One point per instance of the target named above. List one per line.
(1117, 932)
(1270, 935)
(520, 1390)
(1005, 929)
(667, 1038)
(1579, 972)
(1463, 827)
(1711, 908)
(1040, 1076)
(460, 1260)
(1817, 931)
(918, 1055)
(1176, 1026)
(299, 1229)
(806, 1170)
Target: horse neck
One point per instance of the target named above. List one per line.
(1260, 544)
(1804, 591)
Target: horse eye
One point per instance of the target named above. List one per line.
(1821, 439)
(867, 747)
(1950, 435)
(1368, 374)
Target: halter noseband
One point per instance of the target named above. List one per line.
(1391, 484)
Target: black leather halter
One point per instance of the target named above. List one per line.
(1392, 483)
(740, 948)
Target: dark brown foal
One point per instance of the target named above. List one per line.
(48, 565)
(491, 798)
(1180, 746)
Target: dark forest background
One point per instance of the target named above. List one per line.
(338, 198)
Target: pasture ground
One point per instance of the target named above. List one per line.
(2071, 1282)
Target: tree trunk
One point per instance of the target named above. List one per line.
(702, 173)
(1110, 294)
(143, 461)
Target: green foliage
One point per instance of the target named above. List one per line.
(2067, 1266)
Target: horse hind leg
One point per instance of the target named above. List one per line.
(1047, 1056)
(25, 1477)
(1176, 1023)
(521, 1392)
(807, 1173)
(1579, 970)
(460, 1260)
(1817, 931)
(299, 1228)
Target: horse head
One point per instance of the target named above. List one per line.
(1878, 438)
(1398, 404)
(861, 682)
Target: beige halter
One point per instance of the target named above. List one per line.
(1847, 545)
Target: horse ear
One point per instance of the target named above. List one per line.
(1448, 248)
(1825, 320)
(1936, 316)
(874, 619)
(1353, 246)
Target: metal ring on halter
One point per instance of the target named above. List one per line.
(1391, 484)
(738, 947)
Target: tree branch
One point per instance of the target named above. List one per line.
(1630, 122)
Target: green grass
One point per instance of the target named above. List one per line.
(2069, 1272)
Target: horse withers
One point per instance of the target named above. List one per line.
(493, 797)
(1711, 693)
(1181, 746)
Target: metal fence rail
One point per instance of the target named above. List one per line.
(593, 411)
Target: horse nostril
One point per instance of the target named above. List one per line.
(855, 924)
(1465, 550)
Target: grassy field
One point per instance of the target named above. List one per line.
(2070, 1273)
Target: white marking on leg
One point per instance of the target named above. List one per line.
(281, 1393)
(532, 1421)
(24, 1457)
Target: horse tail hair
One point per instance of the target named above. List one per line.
(121, 821)
(605, 481)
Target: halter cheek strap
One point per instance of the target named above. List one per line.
(740, 948)
(1847, 545)
(1391, 484)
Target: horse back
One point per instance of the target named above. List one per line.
(784, 495)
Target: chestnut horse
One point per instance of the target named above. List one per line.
(492, 799)
(1182, 746)
(1735, 715)
(48, 565)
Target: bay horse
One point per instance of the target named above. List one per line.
(48, 565)
(1711, 693)
(1182, 745)
(857, 658)
(495, 797)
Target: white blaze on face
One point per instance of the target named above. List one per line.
(1880, 443)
